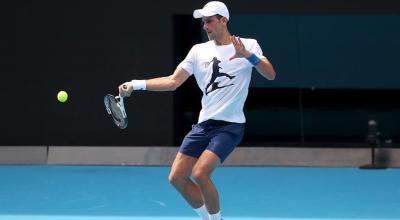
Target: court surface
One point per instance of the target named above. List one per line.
(247, 193)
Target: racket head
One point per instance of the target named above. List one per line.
(115, 107)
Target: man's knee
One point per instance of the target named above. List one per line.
(177, 180)
(201, 175)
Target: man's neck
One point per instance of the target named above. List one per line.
(225, 39)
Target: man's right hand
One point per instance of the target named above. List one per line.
(125, 89)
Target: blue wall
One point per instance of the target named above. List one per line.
(326, 51)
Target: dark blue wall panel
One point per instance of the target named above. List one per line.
(327, 51)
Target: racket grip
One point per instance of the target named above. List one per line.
(124, 87)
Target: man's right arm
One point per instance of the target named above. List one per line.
(168, 83)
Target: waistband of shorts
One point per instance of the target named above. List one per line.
(216, 122)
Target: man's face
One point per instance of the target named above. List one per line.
(213, 26)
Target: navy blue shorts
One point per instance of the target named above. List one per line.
(220, 137)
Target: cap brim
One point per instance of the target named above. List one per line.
(199, 13)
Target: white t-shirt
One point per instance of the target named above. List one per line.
(224, 82)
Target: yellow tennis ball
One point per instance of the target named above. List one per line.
(62, 96)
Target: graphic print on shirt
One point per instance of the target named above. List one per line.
(215, 74)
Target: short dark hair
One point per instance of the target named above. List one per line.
(219, 16)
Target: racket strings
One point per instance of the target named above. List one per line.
(116, 111)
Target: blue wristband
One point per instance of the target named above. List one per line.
(253, 59)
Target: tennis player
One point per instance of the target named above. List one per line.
(222, 68)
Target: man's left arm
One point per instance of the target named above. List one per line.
(262, 65)
(265, 68)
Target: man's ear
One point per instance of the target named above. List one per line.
(225, 20)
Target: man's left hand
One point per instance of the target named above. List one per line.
(240, 50)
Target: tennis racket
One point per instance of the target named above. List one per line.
(115, 107)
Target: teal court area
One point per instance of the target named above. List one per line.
(247, 193)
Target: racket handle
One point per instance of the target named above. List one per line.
(124, 87)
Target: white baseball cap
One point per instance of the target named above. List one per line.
(212, 8)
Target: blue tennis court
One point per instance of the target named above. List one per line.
(247, 193)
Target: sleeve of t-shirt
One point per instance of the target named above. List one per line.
(256, 49)
(189, 62)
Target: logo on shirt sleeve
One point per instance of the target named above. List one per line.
(215, 74)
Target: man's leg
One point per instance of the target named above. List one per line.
(179, 177)
(202, 171)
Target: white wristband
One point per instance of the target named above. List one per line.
(138, 84)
